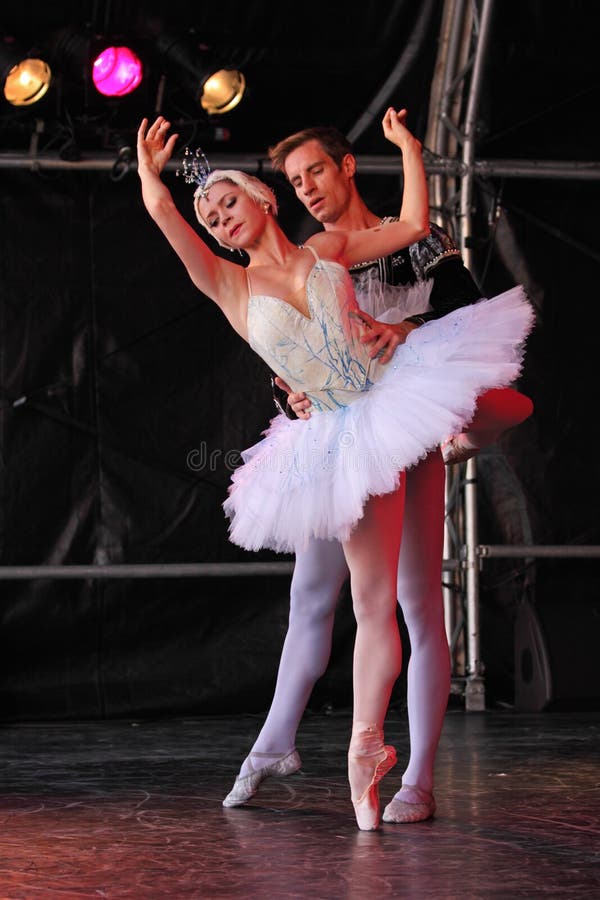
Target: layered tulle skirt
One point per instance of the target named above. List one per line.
(311, 479)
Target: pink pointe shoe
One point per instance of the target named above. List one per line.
(455, 452)
(368, 761)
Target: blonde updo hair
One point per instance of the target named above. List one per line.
(256, 189)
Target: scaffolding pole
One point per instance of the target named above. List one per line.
(474, 685)
(368, 164)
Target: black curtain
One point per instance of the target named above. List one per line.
(126, 398)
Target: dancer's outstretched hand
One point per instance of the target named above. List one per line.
(395, 130)
(154, 149)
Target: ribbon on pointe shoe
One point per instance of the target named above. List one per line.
(368, 761)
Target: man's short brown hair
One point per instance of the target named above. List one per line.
(333, 142)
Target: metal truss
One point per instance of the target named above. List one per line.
(452, 140)
(451, 134)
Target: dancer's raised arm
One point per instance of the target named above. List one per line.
(413, 225)
(222, 281)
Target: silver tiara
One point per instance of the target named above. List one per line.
(194, 169)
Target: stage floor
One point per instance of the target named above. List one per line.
(132, 809)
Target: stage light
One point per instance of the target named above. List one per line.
(116, 71)
(222, 91)
(25, 79)
(216, 86)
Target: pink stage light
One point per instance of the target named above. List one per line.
(117, 71)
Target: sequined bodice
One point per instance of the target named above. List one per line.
(320, 354)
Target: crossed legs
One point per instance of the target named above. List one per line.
(319, 573)
(371, 556)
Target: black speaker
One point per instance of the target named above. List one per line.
(557, 658)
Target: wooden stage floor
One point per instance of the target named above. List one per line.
(132, 809)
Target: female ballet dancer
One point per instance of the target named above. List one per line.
(340, 475)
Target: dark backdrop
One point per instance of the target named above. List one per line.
(113, 370)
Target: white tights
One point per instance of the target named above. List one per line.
(319, 573)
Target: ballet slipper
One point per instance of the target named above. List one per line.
(401, 810)
(246, 786)
(368, 761)
(455, 452)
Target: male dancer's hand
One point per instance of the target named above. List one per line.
(297, 400)
(383, 337)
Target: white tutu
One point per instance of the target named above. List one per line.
(311, 479)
